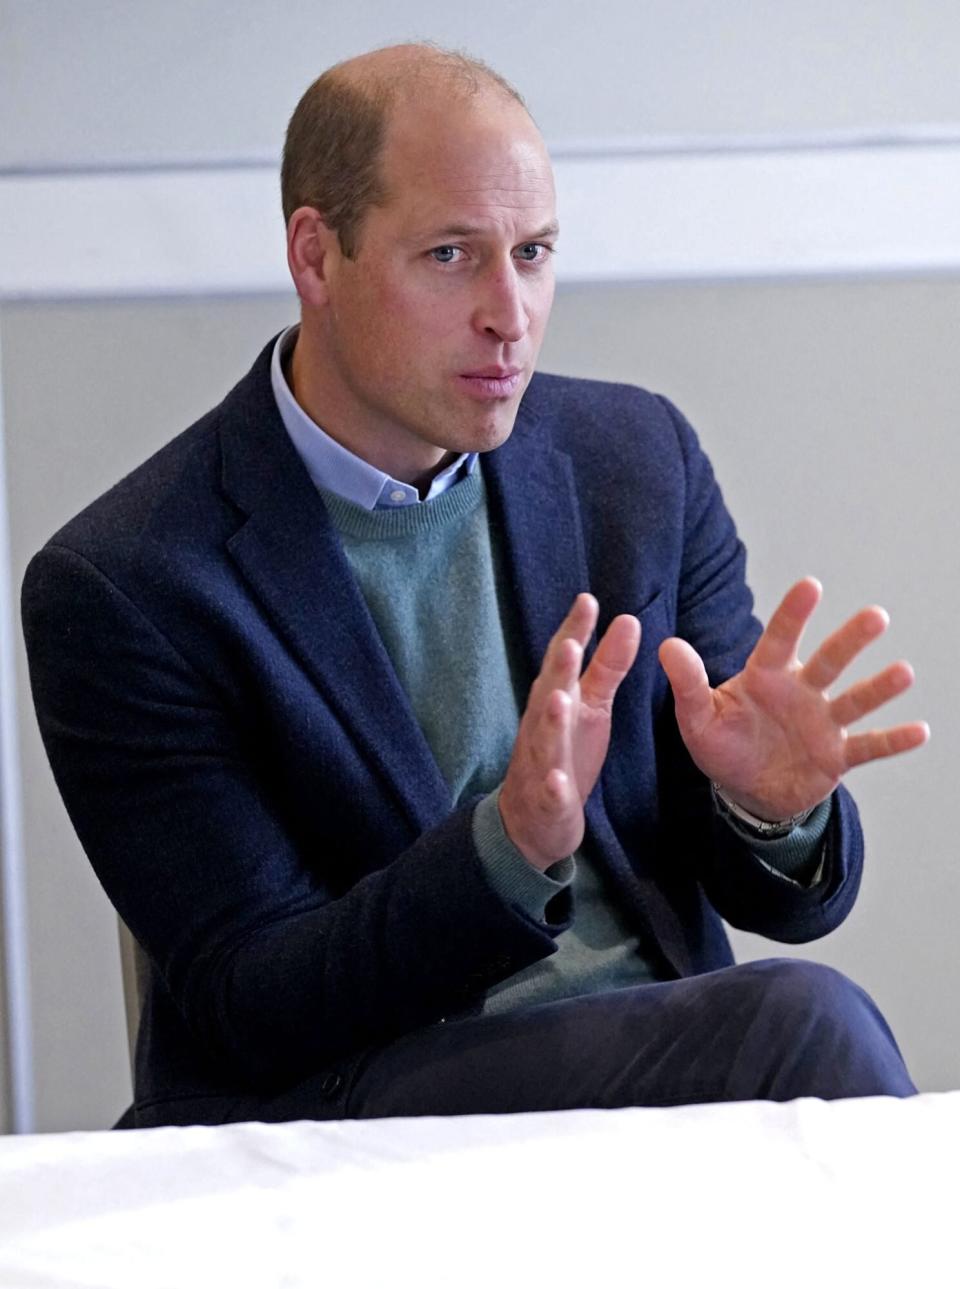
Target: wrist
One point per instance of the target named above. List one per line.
(759, 825)
(519, 837)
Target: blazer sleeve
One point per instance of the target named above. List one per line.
(275, 967)
(714, 612)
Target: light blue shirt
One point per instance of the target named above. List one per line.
(332, 466)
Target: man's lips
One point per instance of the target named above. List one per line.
(492, 382)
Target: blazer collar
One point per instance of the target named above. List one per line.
(291, 557)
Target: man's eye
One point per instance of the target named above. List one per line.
(445, 254)
(534, 251)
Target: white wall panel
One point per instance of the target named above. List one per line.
(749, 210)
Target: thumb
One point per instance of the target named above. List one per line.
(688, 680)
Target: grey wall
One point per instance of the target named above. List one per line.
(89, 392)
(121, 80)
(832, 413)
(831, 410)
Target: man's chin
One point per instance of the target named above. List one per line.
(496, 427)
(477, 430)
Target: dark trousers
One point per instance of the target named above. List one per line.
(770, 1030)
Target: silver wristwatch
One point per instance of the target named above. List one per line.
(765, 829)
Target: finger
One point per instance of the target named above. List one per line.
(861, 748)
(614, 656)
(577, 626)
(541, 745)
(579, 622)
(562, 707)
(557, 784)
(561, 667)
(839, 649)
(692, 694)
(558, 792)
(778, 645)
(866, 696)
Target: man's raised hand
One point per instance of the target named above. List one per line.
(771, 737)
(564, 735)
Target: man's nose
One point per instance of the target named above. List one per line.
(501, 310)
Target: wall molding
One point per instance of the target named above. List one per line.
(692, 209)
(16, 1043)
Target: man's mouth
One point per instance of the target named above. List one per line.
(492, 382)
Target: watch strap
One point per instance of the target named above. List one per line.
(766, 829)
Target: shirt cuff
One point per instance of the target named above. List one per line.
(799, 856)
(515, 880)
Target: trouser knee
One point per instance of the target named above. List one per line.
(826, 1035)
(810, 992)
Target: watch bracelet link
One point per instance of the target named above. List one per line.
(767, 829)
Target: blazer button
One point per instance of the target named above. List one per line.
(330, 1085)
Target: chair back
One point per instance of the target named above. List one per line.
(134, 970)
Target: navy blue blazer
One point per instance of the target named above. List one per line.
(247, 777)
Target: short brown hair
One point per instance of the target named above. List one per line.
(331, 155)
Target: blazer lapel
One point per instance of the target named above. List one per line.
(534, 499)
(291, 557)
(533, 502)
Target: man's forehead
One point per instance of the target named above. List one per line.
(481, 142)
(474, 186)
(434, 212)
(480, 190)
(527, 223)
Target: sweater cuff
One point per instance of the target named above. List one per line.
(797, 857)
(515, 880)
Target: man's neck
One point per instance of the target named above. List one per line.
(416, 463)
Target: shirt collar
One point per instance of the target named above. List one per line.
(334, 467)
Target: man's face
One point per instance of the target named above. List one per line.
(433, 330)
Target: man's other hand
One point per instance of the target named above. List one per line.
(771, 737)
(564, 735)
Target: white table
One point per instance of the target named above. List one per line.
(852, 1193)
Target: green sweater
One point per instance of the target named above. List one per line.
(432, 578)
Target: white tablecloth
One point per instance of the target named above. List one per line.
(852, 1193)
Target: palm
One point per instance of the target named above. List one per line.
(771, 736)
(564, 734)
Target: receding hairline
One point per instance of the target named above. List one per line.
(400, 71)
(333, 152)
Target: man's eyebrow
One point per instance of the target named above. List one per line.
(549, 230)
(474, 230)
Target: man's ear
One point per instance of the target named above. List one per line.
(312, 249)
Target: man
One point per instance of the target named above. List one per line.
(392, 840)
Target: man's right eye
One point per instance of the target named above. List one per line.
(446, 254)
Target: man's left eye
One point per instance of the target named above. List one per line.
(533, 251)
